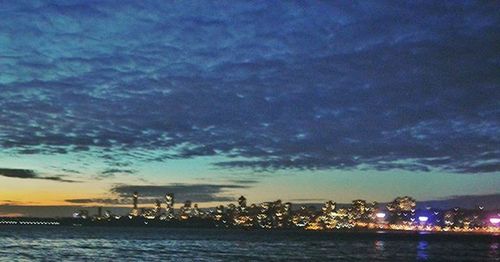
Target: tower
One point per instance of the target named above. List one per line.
(186, 210)
(169, 201)
(242, 201)
(136, 199)
(157, 209)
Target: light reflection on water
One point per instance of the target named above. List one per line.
(494, 250)
(131, 244)
(379, 245)
(422, 250)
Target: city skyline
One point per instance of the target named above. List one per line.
(303, 102)
(400, 215)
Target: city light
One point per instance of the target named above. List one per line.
(423, 218)
(276, 214)
(358, 215)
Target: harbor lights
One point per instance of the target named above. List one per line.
(380, 219)
(423, 219)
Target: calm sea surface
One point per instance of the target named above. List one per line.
(38, 243)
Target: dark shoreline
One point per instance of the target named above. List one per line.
(208, 224)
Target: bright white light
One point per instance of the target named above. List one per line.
(495, 220)
(423, 219)
(380, 215)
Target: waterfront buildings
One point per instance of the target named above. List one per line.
(400, 214)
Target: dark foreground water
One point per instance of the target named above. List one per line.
(38, 243)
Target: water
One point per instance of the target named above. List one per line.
(38, 243)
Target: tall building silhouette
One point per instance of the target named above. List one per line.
(135, 200)
(242, 201)
(169, 201)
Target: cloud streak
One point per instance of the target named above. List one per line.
(201, 193)
(30, 174)
(182, 192)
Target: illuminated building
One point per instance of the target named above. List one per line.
(149, 213)
(263, 217)
(243, 220)
(169, 208)
(219, 214)
(274, 215)
(185, 212)
(287, 209)
(362, 211)
(83, 214)
(157, 209)
(302, 217)
(281, 214)
(449, 219)
(455, 218)
(196, 211)
(327, 218)
(241, 217)
(344, 218)
(230, 213)
(402, 210)
(252, 212)
(242, 202)
(108, 214)
(478, 217)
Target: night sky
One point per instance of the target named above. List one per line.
(303, 101)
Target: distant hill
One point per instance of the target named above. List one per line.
(490, 202)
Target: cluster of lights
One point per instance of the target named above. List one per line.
(42, 223)
(495, 220)
(8, 222)
(424, 226)
(423, 219)
(268, 215)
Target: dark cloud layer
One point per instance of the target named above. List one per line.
(150, 193)
(103, 201)
(182, 192)
(30, 174)
(273, 85)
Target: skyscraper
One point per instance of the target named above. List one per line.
(135, 200)
(169, 209)
(157, 210)
(242, 201)
(186, 210)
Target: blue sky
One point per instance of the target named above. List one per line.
(304, 99)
